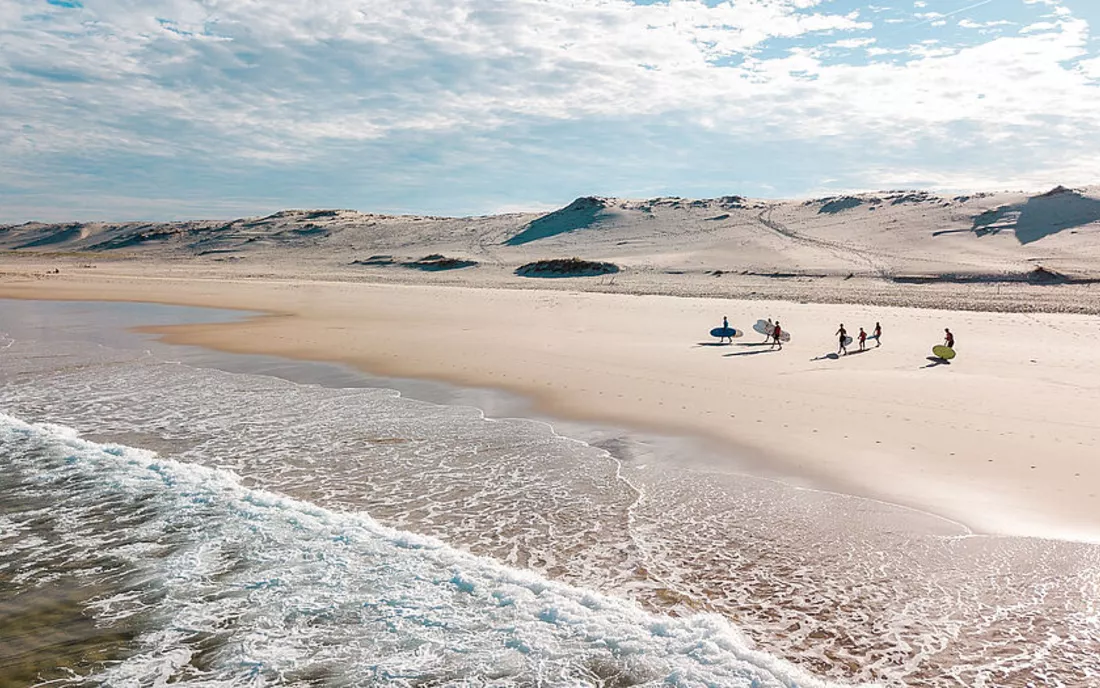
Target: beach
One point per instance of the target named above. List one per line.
(176, 512)
(409, 442)
(1002, 439)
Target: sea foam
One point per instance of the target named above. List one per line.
(248, 587)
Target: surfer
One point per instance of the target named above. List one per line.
(843, 335)
(768, 330)
(878, 335)
(776, 332)
(726, 327)
(948, 338)
(862, 340)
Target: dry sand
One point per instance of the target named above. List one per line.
(1005, 439)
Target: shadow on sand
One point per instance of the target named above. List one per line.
(581, 213)
(714, 344)
(1037, 217)
(936, 361)
(753, 352)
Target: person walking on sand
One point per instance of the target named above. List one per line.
(843, 335)
(768, 330)
(862, 340)
(726, 327)
(776, 332)
(878, 335)
(948, 338)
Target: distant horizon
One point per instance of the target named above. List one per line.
(536, 208)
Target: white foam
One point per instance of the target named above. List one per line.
(294, 589)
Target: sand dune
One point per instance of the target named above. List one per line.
(885, 236)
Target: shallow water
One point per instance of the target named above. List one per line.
(285, 532)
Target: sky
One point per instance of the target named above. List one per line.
(172, 109)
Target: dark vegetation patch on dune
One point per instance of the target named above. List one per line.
(375, 260)
(1038, 276)
(566, 267)
(839, 204)
(437, 262)
(902, 197)
(433, 263)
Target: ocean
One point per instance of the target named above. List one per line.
(169, 515)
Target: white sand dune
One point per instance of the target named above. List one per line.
(887, 235)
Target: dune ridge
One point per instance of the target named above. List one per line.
(913, 236)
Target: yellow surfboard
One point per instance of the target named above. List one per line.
(944, 352)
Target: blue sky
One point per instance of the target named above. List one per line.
(160, 109)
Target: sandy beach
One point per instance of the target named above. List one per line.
(1002, 440)
(878, 516)
(348, 344)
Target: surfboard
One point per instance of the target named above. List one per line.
(943, 352)
(730, 332)
(766, 328)
(847, 340)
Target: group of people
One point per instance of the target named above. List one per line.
(775, 332)
(948, 338)
(843, 334)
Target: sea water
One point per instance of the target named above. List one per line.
(163, 521)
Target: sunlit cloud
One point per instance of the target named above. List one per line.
(421, 105)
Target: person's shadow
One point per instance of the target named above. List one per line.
(936, 361)
(831, 356)
(753, 352)
(714, 344)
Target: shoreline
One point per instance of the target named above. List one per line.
(778, 413)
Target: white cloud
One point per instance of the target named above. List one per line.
(1038, 27)
(968, 24)
(284, 81)
(853, 43)
(285, 72)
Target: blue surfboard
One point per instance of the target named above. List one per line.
(730, 332)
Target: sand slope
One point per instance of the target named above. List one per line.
(899, 235)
